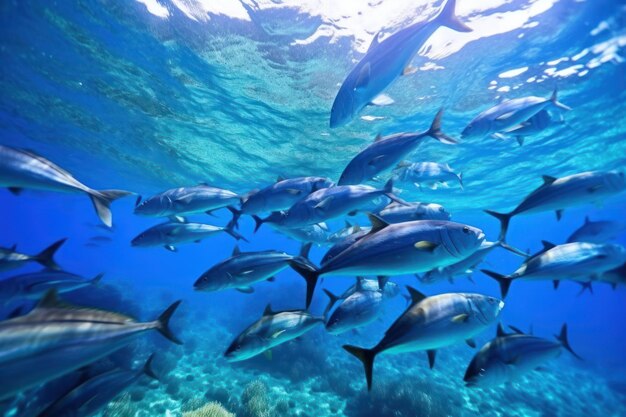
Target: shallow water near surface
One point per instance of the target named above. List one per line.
(149, 95)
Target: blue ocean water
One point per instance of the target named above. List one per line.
(150, 95)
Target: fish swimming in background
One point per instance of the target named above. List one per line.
(597, 231)
(271, 330)
(509, 115)
(94, 394)
(390, 290)
(10, 259)
(398, 249)
(328, 203)
(184, 201)
(431, 323)
(387, 151)
(343, 243)
(57, 338)
(172, 233)
(243, 269)
(578, 261)
(429, 173)
(384, 62)
(511, 355)
(560, 193)
(398, 213)
(314, 233)
(533, 126)
(34, 285)
(24, 169)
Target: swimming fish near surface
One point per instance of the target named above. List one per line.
(430, 174)
(398, 213)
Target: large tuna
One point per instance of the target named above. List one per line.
(11, 259)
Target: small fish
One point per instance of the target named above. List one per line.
(597, 232)
(185, 201)
(326, 204)
(34, 285)
(170, 234)
(314, 233)
(533, 126)
(429, 173)
(561, 193)
(243, 269)
(24, 169)
(10, 259)
(431, 323)
(91, 396)
(57, 338)
(509, 356)
(399, 213)
(578, 261)
(509, 114)
(283, 194)
(271, 330)
(398, 249)
(384, 62)
(387, 151)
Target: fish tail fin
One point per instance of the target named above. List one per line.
(46, 256)
(505, 219)
(96, 280)
(556, 103)
(257, 222)
(163, 323)
(147, 368)
(505, 283)
(102, 203)
(236, 215)
(562, 337)
(230, 229)
(332, 299)
(448, 18)
(310, 273)
(366, 356)
(435, 131)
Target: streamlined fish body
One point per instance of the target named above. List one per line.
(170, 234)
(34, 285)
(186, 200)
(11, 259)
(399, 213)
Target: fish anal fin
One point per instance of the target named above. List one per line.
(431, 357)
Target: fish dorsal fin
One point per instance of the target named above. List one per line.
(378, 138)
(236, 250)
(547, 245)
(500, 332)
(547, 179)
(356, 228)
(416, 296)
(359, 283)
(348, 225)
(375, 41)
(13, 248)
(364, 77)
(268, 310)
(280, 178)
(50, 300)
(378, 224)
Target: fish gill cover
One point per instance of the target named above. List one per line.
(178, 122)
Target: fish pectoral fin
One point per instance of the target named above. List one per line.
(323, 204)
(245, 289)
(268, 354)
(505, 116)
(471, 343)
(293, 191)
(171, 248)
(408, 70)
(15, 190)
(461, 318)
(426, 246)
(364, 77)
(278, 333)
(498, 136)
(559, 214)
(594, 188)
(177, 219)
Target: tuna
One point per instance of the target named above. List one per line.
(34, 285)
(431, 323)
(509, 356)
(384, 62)
(387, 151)
(399, 213)
(10, 259)
(561, 193)
(184, 201)
(21, 169)
(533, 126)
(578, 261)
(243, 269)
(56, 338)
(431, 174)
(509, 115)
(271, 330)
(399, 249)
(597, 232)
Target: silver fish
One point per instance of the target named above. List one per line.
(34, 285)
(10, 259)
(186, 200)
(24, 169)
(399, 213)
(430, 174)
(431, 323)
(597, 231)
(271, 330)
(56, 338)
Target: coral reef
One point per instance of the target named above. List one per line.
(212, 409)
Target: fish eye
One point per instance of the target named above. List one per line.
(466, 229)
